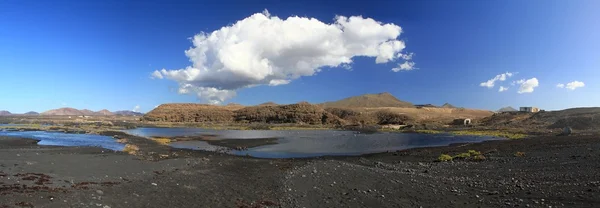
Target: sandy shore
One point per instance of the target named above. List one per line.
(554, 171)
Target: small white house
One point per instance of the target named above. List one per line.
(529, 109)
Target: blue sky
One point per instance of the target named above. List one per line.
(101, 54)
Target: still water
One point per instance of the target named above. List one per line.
(308, 143)
(64, 139)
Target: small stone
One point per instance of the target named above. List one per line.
(476, 196)
(314, 171)
(106, 206)
(154, 184)
(303, 176)
(99, 192)
(382, 196)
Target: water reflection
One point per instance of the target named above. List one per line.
(64, 139)
(307, 143)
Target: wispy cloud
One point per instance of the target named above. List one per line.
(502, 89)
(136, 108)
(406, 66)
(267, 50)
(498, 78)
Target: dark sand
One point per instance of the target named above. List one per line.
(555, 171)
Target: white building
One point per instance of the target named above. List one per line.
(529, 109)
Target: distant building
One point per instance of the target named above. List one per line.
(529, 109)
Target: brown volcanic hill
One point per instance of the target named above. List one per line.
(268, 104)
(576, 118)
(301, 113)
(369, 101)
(448, 105)
(190, 112)
(63, 112)
(104, 112)
(31, 113)
(5, 113)
(87, 112)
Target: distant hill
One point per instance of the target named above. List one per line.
(104, 112)
(368, 100)
(75, 112)
(426, 105)
(268, 104)
(87, 112)
(448, 105)
(63, 112)
(127, 113)
(32, 113)
(507, 109)
(5, 113)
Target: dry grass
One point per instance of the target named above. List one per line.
(122, 141)
(162, 141)
(131, 149)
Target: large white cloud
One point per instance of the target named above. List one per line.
(527, 86)
(266, 50)
(500, 77)
(571, 85)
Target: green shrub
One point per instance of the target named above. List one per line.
(474, 153)
(444, 158)
(463, 155)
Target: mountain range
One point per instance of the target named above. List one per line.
(86, 112)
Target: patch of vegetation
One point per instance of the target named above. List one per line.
(131, 149)
(502, 134)
(520, 154)
(444, 158)
(162, 141)
(464, 155)
(122, 141)
(469, 155)
(474, 153)
(429, 131)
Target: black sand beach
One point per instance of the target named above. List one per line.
(552, 171)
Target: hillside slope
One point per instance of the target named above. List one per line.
(368, 101)
(190, 112)
(576, 118)
(5, 113)
(63, 112)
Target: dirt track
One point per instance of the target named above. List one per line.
(555, 171)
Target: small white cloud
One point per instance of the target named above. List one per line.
(560, 85)
(574, 85)
(406, 66)
(502, 89)
(136, 108)
(267, 50)
(500, 77)
(527, 86)
(64, 104)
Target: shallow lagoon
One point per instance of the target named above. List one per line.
(65, 139)
(308, 143)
